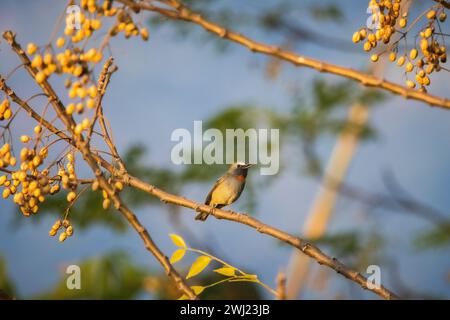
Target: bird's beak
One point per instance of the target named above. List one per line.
(248, 166)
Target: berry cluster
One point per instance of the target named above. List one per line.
(28, 184)
(429, 51)
(384, 13)
(59, 225)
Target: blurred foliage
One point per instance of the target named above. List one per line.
(162, 288)
(437, 237)
(357, 247)
(342, 244)
(325, 113)
(7, 288)
(330, 11)
(115, 276)
(109, 277)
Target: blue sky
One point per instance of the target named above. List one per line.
(168, 83)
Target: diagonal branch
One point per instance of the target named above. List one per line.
(23, 104)
(296, 242)
(10, 38)
(181, 12)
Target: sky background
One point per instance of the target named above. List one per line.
(169, 82)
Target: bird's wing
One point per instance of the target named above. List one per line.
(238, 194)
(209, 196)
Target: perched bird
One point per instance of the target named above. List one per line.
(227, 189)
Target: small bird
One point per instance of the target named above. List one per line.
(227, 189)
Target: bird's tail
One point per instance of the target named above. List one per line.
(202, 216)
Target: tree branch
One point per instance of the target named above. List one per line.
(181, 12)
(296, 242)
(444, 3)
(92, 160)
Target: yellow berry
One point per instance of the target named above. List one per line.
(78, 129)
(37, 129)
(60, 42)
(363, 34)
(85, 124)
(413, 54)
(7, 114)
(392, 56)
(71, 196)
(424, 44)
(54, 189)
(374, 58)
(48, 58)
(118, 185)
(40, 77)
(144, 35)
(90, 103)
(78, 71)
(431, 14)
(69, 231)
(106, 203)
(6, 193)
(403, 22)
(66, 223)
(410, 84)
(70, 108)
(80, 107)
(409, 67)
(24, 138)
(31, 48)
(62, 237)
(96, 24)
(401, 61)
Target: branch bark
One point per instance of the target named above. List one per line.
(181, 12)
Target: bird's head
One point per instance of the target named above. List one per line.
(239, 169)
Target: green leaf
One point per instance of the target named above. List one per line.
(177, 255)
(197, 289)
(177, 240)
(198, 266)
(226, 271)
